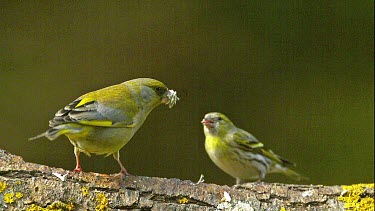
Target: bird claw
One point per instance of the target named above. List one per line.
(77, 170)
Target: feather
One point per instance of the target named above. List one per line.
(245, 140)
(87, 111)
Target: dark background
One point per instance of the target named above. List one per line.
(299, 75)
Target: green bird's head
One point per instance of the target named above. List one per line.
(153, 91)
(217, 124)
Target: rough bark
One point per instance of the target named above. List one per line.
(29, 186)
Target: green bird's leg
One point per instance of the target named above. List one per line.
(78, 165)
(116, 156)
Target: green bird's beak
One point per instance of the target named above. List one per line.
(170, 98)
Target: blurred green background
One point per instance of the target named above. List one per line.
(298, 75)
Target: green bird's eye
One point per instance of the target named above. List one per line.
(160, 90)
(219, 118)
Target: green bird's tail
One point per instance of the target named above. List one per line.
(57, 131)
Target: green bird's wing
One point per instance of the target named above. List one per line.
(88, 111)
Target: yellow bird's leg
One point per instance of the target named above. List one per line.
(262, 175)
(238, 181)
(123, 171)
(78, 165)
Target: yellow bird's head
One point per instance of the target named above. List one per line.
(216, 124)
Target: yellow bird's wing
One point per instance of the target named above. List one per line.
(248, 142)
(245, 140)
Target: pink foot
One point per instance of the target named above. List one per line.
(123, 172)
(77, 169)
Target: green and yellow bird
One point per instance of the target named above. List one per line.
(240, 154)
(103, 121)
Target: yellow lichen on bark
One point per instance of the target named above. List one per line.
(353, 199)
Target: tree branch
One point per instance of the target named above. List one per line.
(29, 186)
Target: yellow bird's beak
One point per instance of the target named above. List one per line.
(208, 123)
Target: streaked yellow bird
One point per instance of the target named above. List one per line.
(240, 154)
(103, 121)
